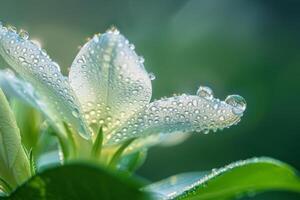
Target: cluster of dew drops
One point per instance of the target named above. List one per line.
(94, 116)
(38, 64)
(237, 102)
(183, 114)
(141, 59)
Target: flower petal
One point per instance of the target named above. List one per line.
(156, 139)
(184, 113)
(110, 80)
(35, 66)
(17, 88)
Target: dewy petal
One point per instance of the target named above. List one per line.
(110, 80)
(156, 139)
(35, 66)
(185, 113)
(17, 88)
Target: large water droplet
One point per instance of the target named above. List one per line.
(205, 92)
(151, 76)
(24, 34)
(237, 102)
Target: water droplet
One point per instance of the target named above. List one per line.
(115, 31)
(75, 113)
(35, 60)
(56, 66)
(151, 76)
(237, 102)
(205, 92)
(24, 34)
(131, 46)
(141, 59)
(96, 38)
(12, 28)
(21, 59)
(222, 118)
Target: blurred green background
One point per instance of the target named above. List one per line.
(248, 47)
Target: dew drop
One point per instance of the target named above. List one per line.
(12, 28)
(56, 66)
(237, 102)
(116, 31)
(21, 59)
(151, 76)
(75, 113)
(141, 59)
(96, 38)
(222, 118)
(35, 60)
(205, 92)
(131, 46)
(80, 60)
(24, 34)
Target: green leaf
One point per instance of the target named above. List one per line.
(235, 180)
(97, 146)
(29, 131)
(14, 163)
(133, 161)
(79, 181)
(117, 156)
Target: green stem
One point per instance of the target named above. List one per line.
(97, 147)
(136, 161)
(5, 186)
(32, 163)
(116, 157)
(68, 144)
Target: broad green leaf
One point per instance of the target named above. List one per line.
(235, 180)
(29, 131)
(14, 163)
(78, 181)
(47, 150)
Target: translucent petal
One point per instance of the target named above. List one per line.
(156, 139)
(34, 65)
(17, 88)
(185, 113)
(109, 80)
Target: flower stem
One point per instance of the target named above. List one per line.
(5, 186)
(97, 147)
(116, 157)
(69, 144)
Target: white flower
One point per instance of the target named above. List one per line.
(108, 87)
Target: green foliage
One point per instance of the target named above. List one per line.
(235, 180)
(14, 162)
(28, 121)
(79, 181)
(97, 146)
